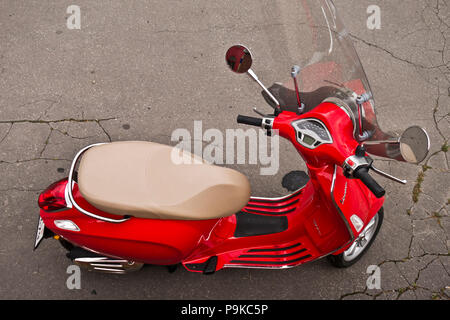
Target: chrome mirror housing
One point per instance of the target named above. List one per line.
(239, 59)
(412, 146)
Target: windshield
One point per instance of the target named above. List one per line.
(329, 67)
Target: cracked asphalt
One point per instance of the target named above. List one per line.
(137, 70)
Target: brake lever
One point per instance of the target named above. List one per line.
(387, 175)
(360, 159)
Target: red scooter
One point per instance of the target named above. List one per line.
(126, 204)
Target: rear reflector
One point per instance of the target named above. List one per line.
(53, 198)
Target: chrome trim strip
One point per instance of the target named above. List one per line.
(279, 198)
(100, 259)
(71, 184)
(118, 271)
(263, 267)
(66, 196)
(106, 264)
(428, 140)
(352, 236)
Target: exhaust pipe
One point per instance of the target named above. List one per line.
(108, 265)
(93, 261)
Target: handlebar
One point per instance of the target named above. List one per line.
(362, 174)
(357, 165)
(251, 121)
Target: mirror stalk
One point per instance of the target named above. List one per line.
(260, 113)
(377, 142)
(255, 77)
(294, 73)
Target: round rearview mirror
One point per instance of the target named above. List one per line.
(414, 144)
(239, 59)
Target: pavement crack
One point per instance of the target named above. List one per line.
(393, 55)
(52, 103)
(410, 242)
(342, 297)
(34, 159)
(21, 190)
(57, 120)
(104, 130)
(248, 28)
(435, 110)
(422, 269)
(46, 141)
(7, 133)
(71, 136)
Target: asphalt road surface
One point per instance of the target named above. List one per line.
(138, 70)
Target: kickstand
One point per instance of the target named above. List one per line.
(172, 268)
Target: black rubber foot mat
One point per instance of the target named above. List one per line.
(294, 180)
(248, 225)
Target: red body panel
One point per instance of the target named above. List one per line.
(144, 240)
(318, 215)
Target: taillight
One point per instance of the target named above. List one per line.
(53, 199)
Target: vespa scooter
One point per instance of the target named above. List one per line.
(126, 204)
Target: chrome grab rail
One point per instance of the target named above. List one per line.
(70, 185)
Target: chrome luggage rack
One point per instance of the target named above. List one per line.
(69, 188)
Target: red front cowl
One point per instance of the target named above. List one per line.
(338, 124)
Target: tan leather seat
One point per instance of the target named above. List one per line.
(142, 179)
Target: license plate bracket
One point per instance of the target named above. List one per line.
(39, 233)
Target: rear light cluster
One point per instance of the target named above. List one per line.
(53, 198)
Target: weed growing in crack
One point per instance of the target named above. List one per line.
(417, 188)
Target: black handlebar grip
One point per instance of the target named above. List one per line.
(252, 121)
(363, 175)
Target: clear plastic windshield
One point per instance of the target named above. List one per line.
(329, 67)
